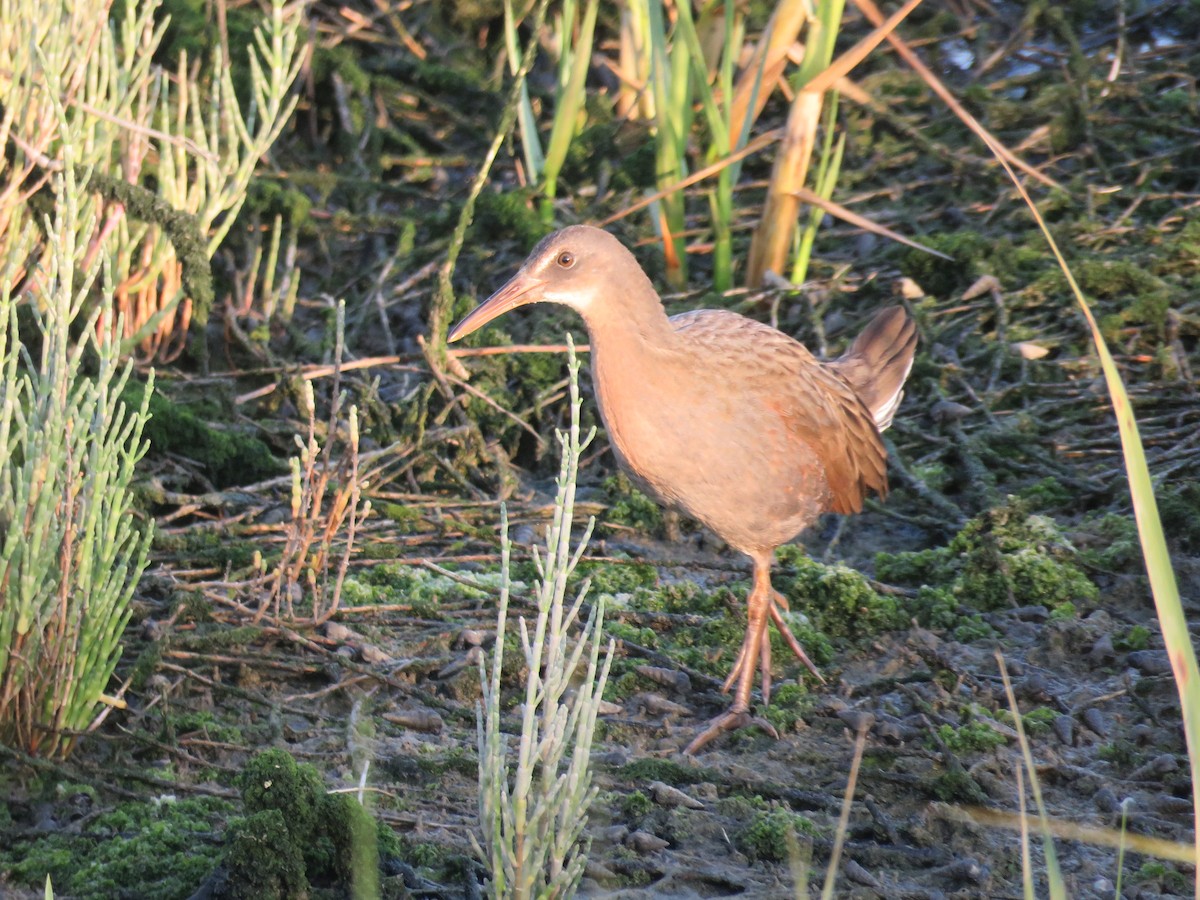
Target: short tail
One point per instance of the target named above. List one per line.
(878, 362)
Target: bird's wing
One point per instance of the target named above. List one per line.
(817, 406)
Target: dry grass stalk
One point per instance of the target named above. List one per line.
(326, 512)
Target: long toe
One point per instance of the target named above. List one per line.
(786, 632)
(732, 719)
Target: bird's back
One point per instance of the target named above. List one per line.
(819, 408)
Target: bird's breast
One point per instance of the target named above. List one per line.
(712, 445)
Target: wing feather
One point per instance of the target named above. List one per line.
(817, 406)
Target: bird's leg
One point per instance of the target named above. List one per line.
(777, 617)
(755, 652)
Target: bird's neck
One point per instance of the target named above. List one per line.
(631, 326)
(635, 360)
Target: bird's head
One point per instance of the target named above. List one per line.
(577, 267)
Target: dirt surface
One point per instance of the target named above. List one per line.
(1007, 533)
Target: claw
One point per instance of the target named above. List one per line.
(732, 719)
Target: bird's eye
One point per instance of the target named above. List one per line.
(566, 259)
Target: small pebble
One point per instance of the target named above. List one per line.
(859, 875)
(1034, 687)
(1106, 800)
(1094, 719)
(1156, 768)
(671, 678)
(617, 757)
(1036, 613)
(1064, 730)
(616, 834)
(856, 719)
(892, 729)
(645, 842)
(1143, 733)
(1150, 662)
(672, 797)
(948, 411)
(658, 705)
(1102, 652)
(967, 869)
(425, 720)
(373, 655)
(152, 629)
(336, 631)
(470, 637)
(1177, 806)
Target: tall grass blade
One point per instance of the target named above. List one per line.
(531, 142)
(570, 102)
(670, 80)
(1053, 871)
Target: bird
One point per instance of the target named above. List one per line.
(723, 417)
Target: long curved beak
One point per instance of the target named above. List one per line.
(520, 290)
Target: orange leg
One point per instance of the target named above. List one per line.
(755, 652)
(763, 603)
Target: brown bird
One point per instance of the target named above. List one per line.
(723, 417)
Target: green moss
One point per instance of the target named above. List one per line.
(138, 849)
(1040, 720)
(263, 860)
(924, 568)
(629, 506)
(741, 807)
(956, 785)
(315, 837)
(939, 277)
(622, 631)
(785, 709)
(1169, 877)
(970, 737)
(646, 770)
(770, 835)
(1136, 638)
(425, 591)
(839, 601)
(1047, 494)
(1177, 506)
(511, 213)
(617, 578)
(681, 597)
(1064, 611)
(1120, 752)
(205, 723)
(1005, 557)
(456, 759)
(201, 547)
(267, 198)
(636, 806)
(229, 457)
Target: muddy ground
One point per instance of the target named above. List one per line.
(1007, 532)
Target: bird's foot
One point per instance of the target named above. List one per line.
(734, 718)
